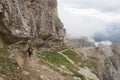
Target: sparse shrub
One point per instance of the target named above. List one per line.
(72, 55)
(55, 58)
(8, 66)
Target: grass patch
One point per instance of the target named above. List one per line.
(53, 66)
(8, 66)
(55, 58)
(72, 55)
(79, 75)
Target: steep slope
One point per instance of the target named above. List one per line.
(66, 63)
(1, 43)
(17, 65)
(9, 69)
(104, 60)
(80, 43)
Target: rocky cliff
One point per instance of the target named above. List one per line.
(79, 43)
(23, 20)
(103, 60)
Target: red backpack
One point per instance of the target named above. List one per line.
(30, 49)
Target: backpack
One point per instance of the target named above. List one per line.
(30, 49)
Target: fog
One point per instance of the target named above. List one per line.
(86, 17)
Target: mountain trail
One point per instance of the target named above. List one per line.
(39, 71)
(61, 53)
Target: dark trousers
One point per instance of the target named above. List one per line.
(30, 53)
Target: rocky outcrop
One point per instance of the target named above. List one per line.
(79, 43)
(22, 20)
(104, 60)
(109, 59)
(1, 43)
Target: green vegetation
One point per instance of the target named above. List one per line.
(91, 79)
(72, 55)
(8, 66)
(55, 58)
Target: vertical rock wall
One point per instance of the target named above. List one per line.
(26, 19)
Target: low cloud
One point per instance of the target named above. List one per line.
(101, 5)
(85, 17)
(103, 43)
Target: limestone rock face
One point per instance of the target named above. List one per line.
(79, 43)
(1, 43)
(109, 59)
(105, 59)
(26, 19)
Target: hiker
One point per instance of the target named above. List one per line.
(30, 51)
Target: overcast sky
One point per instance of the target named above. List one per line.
(85, 17)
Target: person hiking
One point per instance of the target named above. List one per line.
(30, 51)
